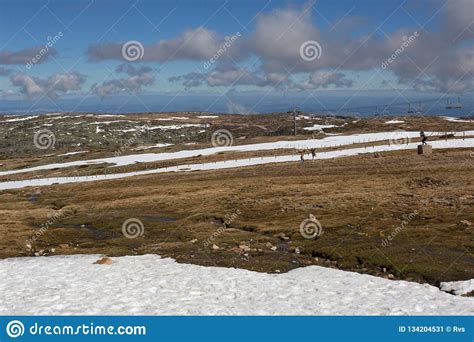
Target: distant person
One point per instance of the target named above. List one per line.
(423, 138)
(302, 157)
(313, 153)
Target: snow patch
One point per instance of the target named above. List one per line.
(151, 285)
(452, 119)
(458, 287)
(72, 153)
(207, 116)
(330, 141)
(22, 118)
(226, 164)
(141, 148)
(173, 118)
(317, 127)
(164, 128)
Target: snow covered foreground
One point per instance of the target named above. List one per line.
(148, 284)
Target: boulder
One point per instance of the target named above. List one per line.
(104, 261)
(425, 149)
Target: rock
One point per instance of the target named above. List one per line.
(269, 245)
(104, 261)
(273, 248)
(282, 236)
(215, 247)
(236, 250)
(465, 223)
(391, 276)
(425, 149)
(245, 248)
(64, 245)
(52, 250)
(194, 240)
(297, 250)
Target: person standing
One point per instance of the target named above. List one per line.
(313, 153)
(423, 138)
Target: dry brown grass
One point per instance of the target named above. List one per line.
(359, 201)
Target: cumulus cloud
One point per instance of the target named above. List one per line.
(325, 79)
(63, 83)
(441, 58)
(196, 44)
(278, 36)
(26, 55)
(138, 77)
(226, 75)
(438, 60)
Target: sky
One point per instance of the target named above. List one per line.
(102, 48)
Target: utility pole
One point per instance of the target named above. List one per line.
(294, 111)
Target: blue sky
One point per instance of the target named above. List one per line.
(178, 37)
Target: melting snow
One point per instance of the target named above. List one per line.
(458, 287)
(150, 285)
(141, 148)
(394, 122)
(173, 118)
(451, 119)
(331, 141)
(226, 164)
(22, 118)
(317, 127)
(72, 153)
(174, 126)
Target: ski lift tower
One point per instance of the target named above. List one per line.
(448, 104)
(295, 111)
(459, 104)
